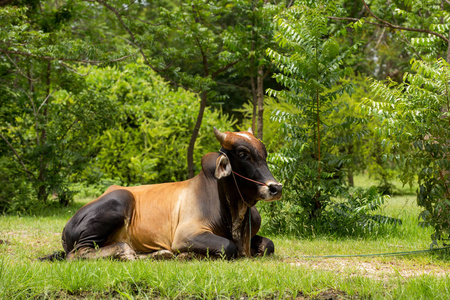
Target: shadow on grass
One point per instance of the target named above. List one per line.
(442, 255)
(51, 209)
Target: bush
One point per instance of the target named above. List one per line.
(310, 163)
(416, 114)
(149, 141)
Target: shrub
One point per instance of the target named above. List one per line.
(149, 141)
(416, 114)
(310, 164)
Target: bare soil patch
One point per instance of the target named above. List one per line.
(374, 269)
(330, 294)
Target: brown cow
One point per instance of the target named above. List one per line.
(211, 214)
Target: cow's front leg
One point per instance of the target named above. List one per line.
(207, 244)
(259, 245)
(121, 251)
(262, 246)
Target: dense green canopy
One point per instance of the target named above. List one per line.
(97, 92)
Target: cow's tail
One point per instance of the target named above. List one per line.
(58, 255)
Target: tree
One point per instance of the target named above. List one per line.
(422, 24)
(251, 36)
(358, 142)
(186, 47)
(415, 112)
(47, 113)
(152, 128)
(312, 72)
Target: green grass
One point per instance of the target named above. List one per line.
(365, 181)
(286, 275)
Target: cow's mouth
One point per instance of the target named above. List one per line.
(272, 191)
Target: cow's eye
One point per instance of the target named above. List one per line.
(243, 155)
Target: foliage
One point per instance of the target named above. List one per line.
(273, 138)
(310, 163)
(47, 111)
(152, 128)
(357, 139)
(425, 14)
(356, 213)
(186, 47)
(309, 71)
(416, 113)
(392, 32)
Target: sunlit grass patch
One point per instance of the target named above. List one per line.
(287, 274)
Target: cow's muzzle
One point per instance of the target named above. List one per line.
(272, 191)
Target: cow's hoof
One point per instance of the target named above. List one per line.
(162, 255)
(125, 252)
(185, 256)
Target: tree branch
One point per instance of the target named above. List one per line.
(148, 23)
(233, 85)
(387, 24)
(75, 71)
(18, 158)
(403, 35)
(224, 68)
(133, 38)
(50, 58)
(18, 69)
(354, 20)
(133, 42)
(35, 114)
(199, 44)
(43, 102)
(125, 7)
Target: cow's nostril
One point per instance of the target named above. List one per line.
(275, 188)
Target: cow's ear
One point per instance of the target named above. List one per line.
(223, 167)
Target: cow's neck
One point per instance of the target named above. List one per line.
(239, 210)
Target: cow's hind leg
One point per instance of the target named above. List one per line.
(121, 251)
(90, 233)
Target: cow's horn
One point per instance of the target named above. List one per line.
(219, 135)
(250, 130)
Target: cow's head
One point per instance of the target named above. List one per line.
(246, 155)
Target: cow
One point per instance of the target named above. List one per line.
(213, 214)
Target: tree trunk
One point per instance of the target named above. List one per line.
(260, 97)
(254, 101)
(448, 48)
(252, 77)
(351, 181)
(198, 123)
(42, 177)
(317, 204)
(318, 130)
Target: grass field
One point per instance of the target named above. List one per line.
(286, 275)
